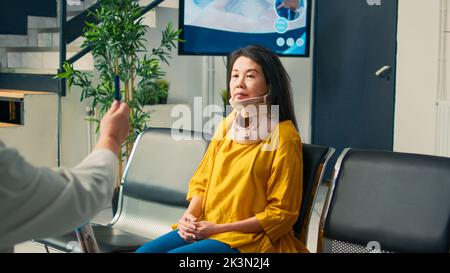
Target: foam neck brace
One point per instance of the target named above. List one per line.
(252, 123)
(248, 107)
(253, 129)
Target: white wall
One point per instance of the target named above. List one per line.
(74, 132)
(417, 76)
(36, 140)
(300, 70)
(184, 72)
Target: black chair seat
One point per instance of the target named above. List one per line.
(387, 202)
(109, 240)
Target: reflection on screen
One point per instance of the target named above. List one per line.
(250, 8)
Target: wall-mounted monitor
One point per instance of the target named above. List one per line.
(218, 27)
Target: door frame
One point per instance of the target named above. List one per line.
(314, 68)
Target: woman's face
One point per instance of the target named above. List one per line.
(247, 79)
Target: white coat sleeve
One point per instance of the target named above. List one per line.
(39, 202)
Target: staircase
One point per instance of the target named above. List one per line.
(29, 63)
(38, 52)
(28, 92)
(36, 55)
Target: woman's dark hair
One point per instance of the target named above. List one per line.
(277, 78)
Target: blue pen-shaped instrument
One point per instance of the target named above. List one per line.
(117, 87)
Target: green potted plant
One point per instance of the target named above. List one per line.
(148, 95)
(155, 92)
(163, 90)
(118, 49)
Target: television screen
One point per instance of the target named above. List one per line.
(218, 27)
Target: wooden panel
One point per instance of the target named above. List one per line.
(19, 94)
(2, 124)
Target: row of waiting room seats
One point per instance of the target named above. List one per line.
(377, 201)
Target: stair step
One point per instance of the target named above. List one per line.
(40, 71)
(46, 60)
(48, 39)
(3, 58)
(73, 6)
(7, 40)
(73, 13)
(48, 30)
(40, 49)
(42, 22)
(51, 39)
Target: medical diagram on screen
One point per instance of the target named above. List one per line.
(255, 16)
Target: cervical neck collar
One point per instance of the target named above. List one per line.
(251, 123)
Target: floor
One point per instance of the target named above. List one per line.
(105, 216)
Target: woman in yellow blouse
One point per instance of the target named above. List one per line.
(245, 195)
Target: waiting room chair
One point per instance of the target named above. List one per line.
(315, 159)
(153, 191)
(152, 197)
(387, 202)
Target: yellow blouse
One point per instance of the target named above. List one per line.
(240, 181)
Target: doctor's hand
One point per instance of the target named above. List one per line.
(114, 127)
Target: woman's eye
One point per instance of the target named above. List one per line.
(235, 76)
(250, 76)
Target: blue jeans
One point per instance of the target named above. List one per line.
(172, 243)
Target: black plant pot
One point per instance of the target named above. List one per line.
(163, 100)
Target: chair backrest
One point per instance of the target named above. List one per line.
(155, 180)
(387, 201)
(152, 197)
(315, 159)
